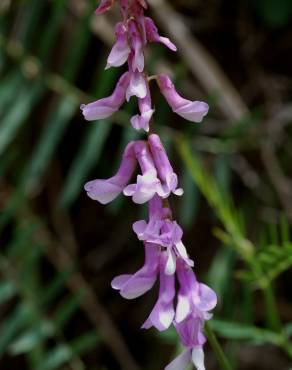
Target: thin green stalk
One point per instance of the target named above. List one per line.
(219, 353)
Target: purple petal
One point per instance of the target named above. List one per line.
(137, 46)
(133, 286)
(121, 49)
(137, 286)
(94, 111)
(193, 111)
(118, 282)
(153, 35)
(105, 191)
(139, 228)
(102, 190)
(104, 6)
(141, 122)
(208, 298)
(162, 314)
(105, 107)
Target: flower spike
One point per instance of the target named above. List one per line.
(188, 305)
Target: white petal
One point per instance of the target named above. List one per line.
(170, 264)
(183, 308)
(181, 249)
(179, 192)
(141, 197)
(198, 358)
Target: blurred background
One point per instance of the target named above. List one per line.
(60, 250)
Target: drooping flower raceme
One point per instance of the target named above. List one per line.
(147, 176)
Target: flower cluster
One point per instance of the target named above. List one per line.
(166, 258)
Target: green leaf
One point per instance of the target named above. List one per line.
(220, 273)
(50, 30)
(16, 321)
(31, 338)
(18, 113)
(85, 342)
(56, 358)
(189, 201)
(7, 291)
(67, 309)
(237, 331)
(55, 286)
(9, 88)
(50, 138)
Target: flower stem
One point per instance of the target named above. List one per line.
(221, 357)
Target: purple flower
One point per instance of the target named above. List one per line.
(194, 299)
(121, 49)
(190, 332)
(147, 184)
(141, 122)
(104, 6)
(162, 314)
(153, 35)
(165, 171)
(133, 286)
(190, 110)
(105, 191)
(105, 107)
(137, 47)
(165, 233)
(137, 86)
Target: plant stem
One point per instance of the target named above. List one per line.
(221, 357)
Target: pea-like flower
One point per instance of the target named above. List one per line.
(137, 85)
(107, 190)
(162, 315)
(104, 108)
(165, 171)
(153, 35)
(121, 49)
(147, 184)
(194, 302)
(142, 121)
(190, 110)
(194, 298)
(134, 285)
(190, 332)
(166, 258)
(137, 47)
